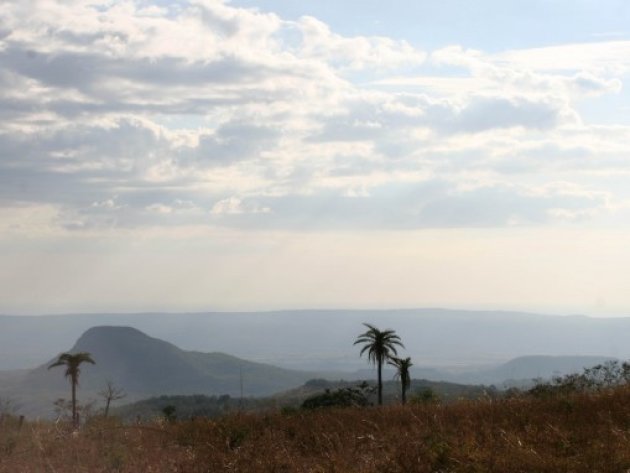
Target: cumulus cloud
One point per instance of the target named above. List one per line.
(591, 84)
(376, 118)
(320, 43)
(486, 113)
(124, 114)
(234, 142)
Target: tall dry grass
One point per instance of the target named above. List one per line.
(577, 433)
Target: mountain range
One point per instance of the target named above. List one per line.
(323, 340)
(145, 366)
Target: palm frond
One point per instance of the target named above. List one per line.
(364, 349)
(72, 362)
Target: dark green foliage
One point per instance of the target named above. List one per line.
(426, 395)
(200, 406)
(599, 377)
(318, 383)
(169, 412)
(344, 397)
(189, 407)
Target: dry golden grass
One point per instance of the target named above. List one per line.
(582, 433)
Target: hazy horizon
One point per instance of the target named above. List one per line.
(210, 155)
(323, 340)
(558, 312)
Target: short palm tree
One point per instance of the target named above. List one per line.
(402, 366)
(380, 346)
(72, 363)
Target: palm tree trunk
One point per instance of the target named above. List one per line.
(74, 382)
(380, 382)
(404, 394)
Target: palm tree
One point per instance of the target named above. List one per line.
(380, 345)
(72, 363)
(402, 366)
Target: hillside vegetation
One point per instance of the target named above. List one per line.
(215, 406)
(578, 432)
(145, 366)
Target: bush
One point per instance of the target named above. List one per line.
(597, 378)
(343, 397)
(425, 396)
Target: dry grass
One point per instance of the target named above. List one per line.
(582, 433)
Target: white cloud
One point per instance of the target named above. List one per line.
(160, 208)
(509, 73)
(320, 43)
(236, 206)
(255, 120)
(590, 84)
(235, 142)
(611, 57)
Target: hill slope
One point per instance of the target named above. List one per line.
(527, 368)
(145, 366)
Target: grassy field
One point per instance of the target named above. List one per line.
(577, 433)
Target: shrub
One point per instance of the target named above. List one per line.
(342, 397)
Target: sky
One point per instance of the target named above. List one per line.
(273, 154)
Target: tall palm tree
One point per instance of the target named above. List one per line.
(380, 346)
(402, 366)
(72, 363)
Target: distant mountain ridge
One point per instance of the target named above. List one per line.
(529, 368)
(519, 371)
(145, 366)
(322, 339)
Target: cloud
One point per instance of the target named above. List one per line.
(236, 206)
(320, 43)
(375, 118)
(234, 142)
(131, 114)
(429, 204)
(123, 57)
(508, 71)
(487, 113)
(607, 56)
(590, 84)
